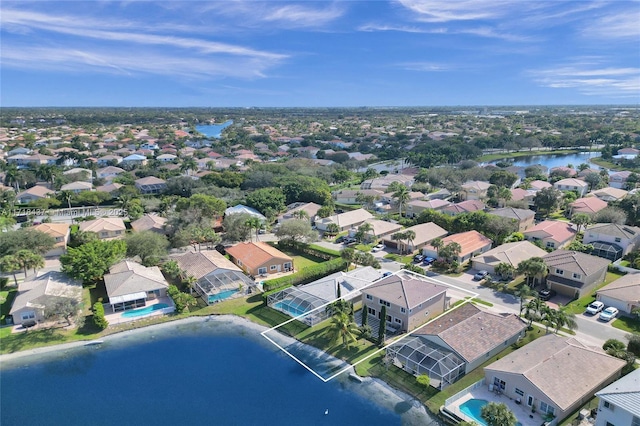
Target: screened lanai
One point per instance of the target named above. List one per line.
(294, 302)
(609, 251)
(418, 356)
(221, 284)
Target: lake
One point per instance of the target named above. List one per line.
(555, 160)
(213, 372)
(213, 130)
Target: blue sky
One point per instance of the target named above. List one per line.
(342, 53)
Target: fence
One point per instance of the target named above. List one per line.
(621, 268)
(463, 392)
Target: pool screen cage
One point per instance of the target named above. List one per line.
(294, 302)
(418, 356)
(221, 280)
(606, 250)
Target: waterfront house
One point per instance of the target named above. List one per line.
(612, 241)
(552, 234)
(260, 259)
(623, 293)
(549, 374)
(573, 273)
(151, 185)
(509, 253)
(410, 301)
(456, 343)
(472, 243)
(619, 179)
(36, 294)
(107, 228)
(537, 185)
(130, 285)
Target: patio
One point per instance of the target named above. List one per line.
(116, 317)
(521, 411)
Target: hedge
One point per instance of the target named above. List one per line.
(305, 276)
(312, 250)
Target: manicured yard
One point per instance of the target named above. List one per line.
(632, 325)
(303, 261)
(398, 258)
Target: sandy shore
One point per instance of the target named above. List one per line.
(412, 411)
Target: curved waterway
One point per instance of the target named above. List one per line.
(217, 372)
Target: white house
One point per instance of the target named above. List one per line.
(612, 238)
(572, 184)
(619, 403)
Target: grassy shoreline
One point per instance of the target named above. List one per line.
(494, 157)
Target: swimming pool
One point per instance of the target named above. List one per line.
(144, 311)
(218, 297)
(473, 408)
(290, 307)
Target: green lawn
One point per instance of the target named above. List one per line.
(559, 215)
(6, 300)
(632, 325)
(398, 258)
(579, 306)
(494, 157)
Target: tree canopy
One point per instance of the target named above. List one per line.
(89, 262)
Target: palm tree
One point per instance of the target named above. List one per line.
(172, 269)
(300, 214)
(533, 268)
(533, 309)
(10, 265)
(580, 220)
(332, 229)
(399, 236)
(65, 196)
(254, 223)
(504, 194)
(363, 230)
(564, 318)
(402, 197)
(451, 251)
(505, 270)
(12, 176)
(436, 243)
(409, 235)
(523, 293)
(342, 329)
(188, 164)
(28, 259)
(47, 172)
(348, 255)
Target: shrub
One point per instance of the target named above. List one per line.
(304, 276)
(98, 316)
(613, 344)
(634, 344)
(423, 380)
(182, 300)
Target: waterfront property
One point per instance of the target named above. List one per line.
(456, 343)
(572, 184)
(35, 295)
(549, 375)
(130, 285)
(410, 300)
(217, 278)
(260, 259)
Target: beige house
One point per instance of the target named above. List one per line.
(310, 209)
(623, 293)
(509, 253)
(572, 184)
(130, 285)
(611, 240)
(415, 207)
(150, 222)
(345, 220)
(554, 374)
(553, 234)
(59, 232)
(474, 190)
(151, 185)
(410, 300)
(456, 343)
(425, 233)
(523, 217)
(77, 187)
(34, 193)
(36, 294)
(352, 196)
(107, 228)
(260, 259)
(381, 229)
(573, 273)
(609, 194)
(382, 183)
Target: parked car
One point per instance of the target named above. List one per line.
(340, 239)
(595, 307)
(377, 248)
(546, 294)
(418, 258)
(480, 275)
(386, 274)
(428, 260)
(609, 314)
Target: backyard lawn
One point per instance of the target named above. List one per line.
(301, 261)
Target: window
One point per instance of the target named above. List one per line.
(529, 400)
(519, 392)
(262, 271)
(287, 266)
(500, 384)
(118, 232)
(385, 303)
(551, 244)
(397, 321)
(559, 272)
(28, 315)
(403, 310)
(273, 267)
(609, 405)
(369, 297)
(371, 311)
(546, 408)
(388, 318)
(104, 235)
(577, 276)
(239, 262)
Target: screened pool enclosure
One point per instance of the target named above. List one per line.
(418, 356)
(294, 302)
(221, 282)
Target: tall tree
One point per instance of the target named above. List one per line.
(546, 200)
(148, 245)
(498, 414)
(383, 325)
(409, 235)
(89, 262)
(28, 259)
(402, 197)
(580, 220)
(10, 265)
(296, 230)
(342, 330)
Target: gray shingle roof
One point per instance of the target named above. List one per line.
(615, 230)
(405, 291)
(129, 277)
(624, 393)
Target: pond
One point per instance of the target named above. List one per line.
(554, 160)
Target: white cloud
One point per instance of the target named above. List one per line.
(424, 66)
(303, 16)
(616, 26)
(591, 77)
(457, 10)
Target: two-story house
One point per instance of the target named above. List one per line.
(474, 190)
(415, 207)
(572, 184)
(552, 234)
(619, 179)
(107, 228)
(59, 232)
(109, 173)
(524, 218)
(410, 300)
(612, 241)
(574, 274)
(151, 185)
(619, 403)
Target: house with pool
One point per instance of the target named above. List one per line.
(553, 375)
(131, 285)
(456, 343)
(217, 278)
(310, 298)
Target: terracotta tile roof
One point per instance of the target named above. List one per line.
(469, 241)
(255, 254)
(557, 230)
(472, 332)
(103, 224)
(588, 205)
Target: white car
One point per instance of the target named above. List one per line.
(595, 307)
(609, 314)
(378, 248)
